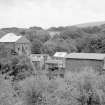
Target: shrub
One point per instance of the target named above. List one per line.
(33, 90)
(84, 87)
(7, 93)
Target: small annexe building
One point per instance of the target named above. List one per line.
(57, 61)
(39, 60)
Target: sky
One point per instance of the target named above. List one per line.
(50, 13)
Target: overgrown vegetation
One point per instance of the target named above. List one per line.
(69, 39)
(16, 67)
(84, 88)
(19, 85)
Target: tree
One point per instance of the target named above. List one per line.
(92, 30)
(73, 33)
(39, 34)
(59, 45)
(42, 35)
(95, 45)
(36, 46)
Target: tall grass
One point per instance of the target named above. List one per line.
(84, 88)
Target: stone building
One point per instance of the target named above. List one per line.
(16, 44)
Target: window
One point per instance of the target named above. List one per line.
(18, 49)
(62, 75)
(13, 52)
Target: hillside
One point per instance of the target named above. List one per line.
(90, 24)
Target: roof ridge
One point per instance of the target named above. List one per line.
(10, 37)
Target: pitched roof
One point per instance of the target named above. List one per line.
(94, 56)
(10, 37)
(60, 54)
(23, 39)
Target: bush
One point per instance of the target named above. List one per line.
(7, 93)
(18, 67)
(85, 88)
(33, 90)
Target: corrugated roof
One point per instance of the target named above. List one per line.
(37, 57)
(10, 37)
(60, 54)
(54, 61)
(94, 56)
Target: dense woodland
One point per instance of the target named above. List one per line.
(21, 84)
(69, 39)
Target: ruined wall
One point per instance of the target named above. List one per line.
(23, 48)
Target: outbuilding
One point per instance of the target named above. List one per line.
(39, 60)
(57, 61)
(80, 61)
